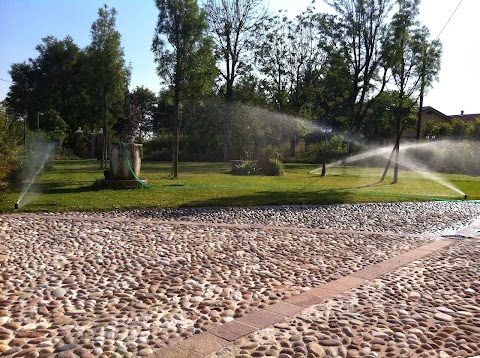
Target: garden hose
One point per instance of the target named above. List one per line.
(131, 169)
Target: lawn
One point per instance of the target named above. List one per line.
(72, 185)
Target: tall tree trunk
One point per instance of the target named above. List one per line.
(420, 106)
(176, 145)
(394, 152)
(105, 142)
(227, 120)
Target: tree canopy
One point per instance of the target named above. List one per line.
(361, 69)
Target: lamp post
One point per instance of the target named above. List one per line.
(25, 129)
(38, 120)
(325, 131)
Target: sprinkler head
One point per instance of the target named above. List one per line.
(16, 206)
(465, 197)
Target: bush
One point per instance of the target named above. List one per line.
(271, 167)
(11, 163)
(274, 167)
(321, 152)
(246, 168)
(159, 148)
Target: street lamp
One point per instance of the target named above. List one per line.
(25, 116)
(38, 120)
(325, 131)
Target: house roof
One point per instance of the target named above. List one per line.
(429, 110)
(466, 117)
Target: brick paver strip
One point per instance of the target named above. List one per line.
(284, 309)
(261, 318)
(203, 343)
(343, 284)
(231, 331)
(306, 299)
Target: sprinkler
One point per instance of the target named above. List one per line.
(465, 197)
(16, 205)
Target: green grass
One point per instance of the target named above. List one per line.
(72, 185)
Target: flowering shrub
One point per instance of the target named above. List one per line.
(127, 126)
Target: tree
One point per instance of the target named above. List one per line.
(186, 64)
(11, 133)
(232, 24)
(363, 23)
(147, 104)
(405, 57)
(291, 59)
(127, 125)
(108, 72)
(51, 81)
(380, 122)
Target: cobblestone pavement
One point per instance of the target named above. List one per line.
(429, 308)
(129, 283)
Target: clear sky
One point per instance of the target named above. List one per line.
(23, 23)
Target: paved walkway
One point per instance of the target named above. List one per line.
(115, 284)
(253, 334)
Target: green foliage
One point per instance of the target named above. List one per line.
(159, 148)
(274, 167)
(380, 123)
(11, 162)
(458, 157)
(147, 103)
(51, 81)
(362, 25)
(412, 60)
(476, 129)
(323, 152)
(267, 164)
(127, 125)
(182, 51)
(55, 127)
(460, 128)
(233, 26)
(186, 64)
(248, 167)
(456, 129)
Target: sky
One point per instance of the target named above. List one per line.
(23, 24)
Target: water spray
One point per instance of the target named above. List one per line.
(43, 153)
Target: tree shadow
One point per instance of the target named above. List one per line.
(61, 188)
(266, 198)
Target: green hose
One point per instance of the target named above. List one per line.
(144, 185)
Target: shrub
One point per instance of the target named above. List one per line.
(274, 167)
(246, 168)
(11, 163)
(159, 148)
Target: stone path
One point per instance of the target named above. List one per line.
(165, 284)
(413, 305)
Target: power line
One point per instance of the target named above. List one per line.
(1, 79)
(453, 13)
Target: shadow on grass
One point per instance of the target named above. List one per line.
(186, 167)
(266, 198)
(60, 188)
